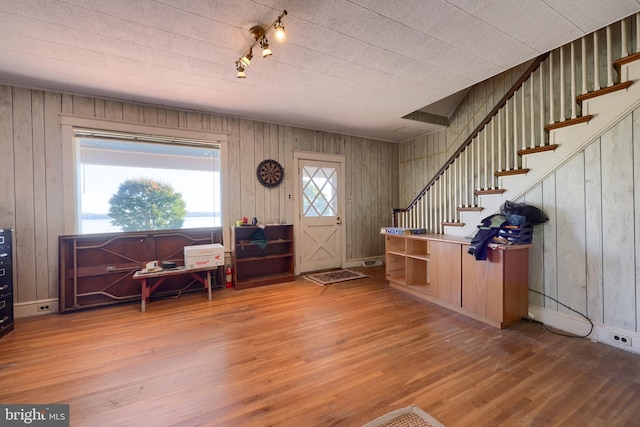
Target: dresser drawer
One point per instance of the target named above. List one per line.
(5, 245)
(5, 255)
(6, 312)
(6, 279)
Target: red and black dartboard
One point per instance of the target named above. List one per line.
(270, 173)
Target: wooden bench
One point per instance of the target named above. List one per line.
(151, 280)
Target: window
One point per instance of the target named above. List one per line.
(106, 160)
(319, 193)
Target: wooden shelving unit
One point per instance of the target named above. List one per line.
(438, 269)
(255, 266)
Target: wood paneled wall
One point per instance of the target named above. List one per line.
(31, 181)
(588, 255)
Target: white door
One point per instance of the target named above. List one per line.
(320, 238)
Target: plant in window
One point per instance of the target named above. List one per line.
(146, 204)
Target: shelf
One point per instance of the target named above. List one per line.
(397, 279)
(420, 257)
(264, 280)
(263, 258)
(399, 253)
(241, 245)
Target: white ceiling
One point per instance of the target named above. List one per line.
(354, 67)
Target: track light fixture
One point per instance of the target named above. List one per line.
(260, 36)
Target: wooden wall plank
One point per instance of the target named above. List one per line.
(350, 210)
(636, 209)
(99, 108)
(25, 212)
(83, 106)
(536, 279)
(113, 110)
(570, 220)
(7, 171)
(549, 251)
(247, 163)
(233, 180)
(364, 199)
(261, 195)
(618, 244)
(132, 113)
(593, 231)
(172, 118)
(150, 115)
(55, 209)
(39, 194)
(274, 193)
(290, 173)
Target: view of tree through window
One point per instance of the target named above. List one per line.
(188, 173)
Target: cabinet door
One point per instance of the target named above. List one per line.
(446, 272)
(482, 285)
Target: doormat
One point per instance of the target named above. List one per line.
(411, 416)
(328, 277)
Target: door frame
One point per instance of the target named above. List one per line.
(319, 157)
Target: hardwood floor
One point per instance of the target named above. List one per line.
(300, 354)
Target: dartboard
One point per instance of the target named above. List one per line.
(270, 173)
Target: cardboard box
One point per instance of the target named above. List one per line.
(199, 256)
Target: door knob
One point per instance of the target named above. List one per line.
(338, 220)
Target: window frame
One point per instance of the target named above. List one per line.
(71, 193)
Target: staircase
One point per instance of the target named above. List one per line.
(533, 130)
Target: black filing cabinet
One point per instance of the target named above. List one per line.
(6, 282)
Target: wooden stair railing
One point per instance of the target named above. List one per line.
(508, 95)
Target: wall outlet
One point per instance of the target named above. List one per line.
(620, 339)
(44, 307)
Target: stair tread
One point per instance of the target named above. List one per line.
(569, 122)
(539, 149)
(603, 91)
(522, 171)
(490, 191)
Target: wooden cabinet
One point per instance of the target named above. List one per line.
(257, 262)
(446, 276)
(6, 281)
(497, 288)
(438, 269)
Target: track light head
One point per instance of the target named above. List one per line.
(264, 44)
(278, 32)
(240, 68)
(246, 60)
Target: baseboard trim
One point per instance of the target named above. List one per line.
(35, 308)
(578, 326)
(358, 262)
